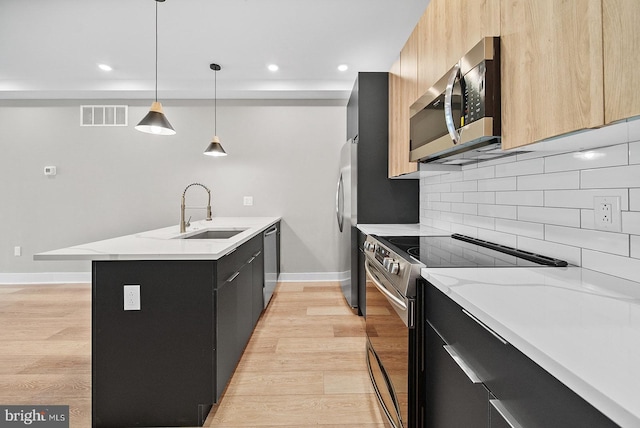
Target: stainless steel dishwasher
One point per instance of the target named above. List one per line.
(270, 263)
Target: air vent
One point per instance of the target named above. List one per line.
(103, 115)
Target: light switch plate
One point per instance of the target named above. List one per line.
(248, 201)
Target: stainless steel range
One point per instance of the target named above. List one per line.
(393, 265)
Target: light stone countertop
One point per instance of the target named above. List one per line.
(581, 326)
(165, 243)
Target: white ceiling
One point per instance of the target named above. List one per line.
(49, 49)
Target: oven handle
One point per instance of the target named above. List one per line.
(393, 299)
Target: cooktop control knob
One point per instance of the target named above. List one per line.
(391, 265)
(369, 246)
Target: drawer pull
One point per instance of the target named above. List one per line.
(508, 417)
(493, 333)
(473, 377)
(232, 277)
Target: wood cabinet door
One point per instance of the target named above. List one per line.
(448, 30)
(621, 59)
(398, 125)
(551, 66)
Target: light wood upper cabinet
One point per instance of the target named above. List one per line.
(399, 124)
(621, 38)
(409, 66)
(552, 68)
(449, 29)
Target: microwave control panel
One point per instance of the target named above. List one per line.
(473, 87)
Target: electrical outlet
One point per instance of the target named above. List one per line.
(17, 251)
(248, 201)
(606, 213)
(131, 297)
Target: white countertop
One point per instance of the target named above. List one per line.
(401, 230)
(165, 243)
(581, 326)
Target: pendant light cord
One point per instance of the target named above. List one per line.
(215, 103)
(156, 87)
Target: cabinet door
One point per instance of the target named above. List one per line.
(257, 295)
(399, 104)
(226, 328)
(447, 30)
(551, 67)
(452, 399)
(244, 316)
(621, 60)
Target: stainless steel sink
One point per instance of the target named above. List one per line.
(215, 234)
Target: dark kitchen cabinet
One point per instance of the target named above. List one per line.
(168, 363)
(527, 394)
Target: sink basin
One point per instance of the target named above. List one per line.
(215, 234)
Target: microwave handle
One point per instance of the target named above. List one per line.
(448, 105)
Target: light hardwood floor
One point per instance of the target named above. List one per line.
(303, 366)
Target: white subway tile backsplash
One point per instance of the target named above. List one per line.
(543, 201)
(479, 173)
(498, 211)
(464, 186)
(635, 247)
(557, 216)
(551, 249)
(634, 129)
(479, 222)
(620, 176)
(623, 267)
(495, 184)
(614, 243)
(557, 180)
(480, 197)
(631, 222)
(452, 197)
(595, 158)
(464, 208)
(634, 152)
(531, 166)
(583, 198)
(532, 198)
(521, 228)
(634, 199)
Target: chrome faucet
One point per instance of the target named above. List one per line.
(184, 224)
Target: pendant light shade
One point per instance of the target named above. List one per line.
(155, 122)
(215, 148)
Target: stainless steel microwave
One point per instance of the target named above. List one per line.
(461, 112)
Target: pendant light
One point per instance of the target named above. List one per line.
(155, 122)
(215, 148)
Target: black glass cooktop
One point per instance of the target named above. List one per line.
(463, 251)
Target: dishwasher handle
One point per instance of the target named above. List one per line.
(271, 231)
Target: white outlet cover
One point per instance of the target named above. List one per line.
(131, 297)
(615, 223)
(248, 201)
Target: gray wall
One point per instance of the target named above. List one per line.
(116, 181)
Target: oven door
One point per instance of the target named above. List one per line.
(388, 320)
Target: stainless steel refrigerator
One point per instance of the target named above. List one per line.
(365, 194)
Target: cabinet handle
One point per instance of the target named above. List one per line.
(493, 333)
(508, 417)
(272, 231)
(473, 377)
(257, 254)
(232, 277)
(251, 260)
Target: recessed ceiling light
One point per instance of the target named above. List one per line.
(273, 67)
(105, 67)
(343, 67)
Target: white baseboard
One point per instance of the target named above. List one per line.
(45, 278)
(82, 277)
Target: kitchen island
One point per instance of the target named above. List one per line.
(171, 315)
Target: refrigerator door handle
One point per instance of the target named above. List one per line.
(340, 207)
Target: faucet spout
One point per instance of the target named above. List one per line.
(183, 223)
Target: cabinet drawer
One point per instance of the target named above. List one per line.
(532, 396)
(232, 262)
